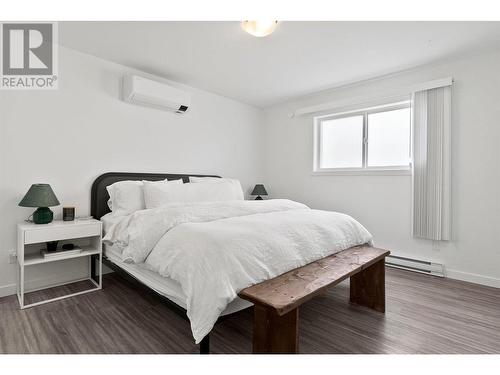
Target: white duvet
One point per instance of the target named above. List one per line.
(216, 249)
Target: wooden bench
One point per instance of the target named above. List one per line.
(277, 301)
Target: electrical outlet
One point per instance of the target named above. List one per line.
(12, 257)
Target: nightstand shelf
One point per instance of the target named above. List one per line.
(31, 259)
(32, 238)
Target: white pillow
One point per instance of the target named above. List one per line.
(233, 182)
(126, 197)
(156, 195)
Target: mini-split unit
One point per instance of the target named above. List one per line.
(150, 93)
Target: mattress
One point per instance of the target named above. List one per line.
(165, 286)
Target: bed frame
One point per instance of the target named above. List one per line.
(276, 301)
(99, 207)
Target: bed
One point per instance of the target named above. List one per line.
(216, 240)
(165, 289)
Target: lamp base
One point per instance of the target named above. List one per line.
(43, 215)
(259, 198)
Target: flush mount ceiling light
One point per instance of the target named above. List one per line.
(259, 28)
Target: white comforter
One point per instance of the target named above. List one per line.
(216, 249)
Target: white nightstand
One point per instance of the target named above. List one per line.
(31, 238)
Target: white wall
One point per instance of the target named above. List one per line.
(383, 203)
(69, 136)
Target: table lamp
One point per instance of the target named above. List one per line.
(259, 190)
(43, 197)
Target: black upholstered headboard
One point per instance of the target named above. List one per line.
(99, 195)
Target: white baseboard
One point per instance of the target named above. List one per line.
(10, 289)
(464, 276)
(43, 282)
(473, 278)
(7, 290)
(47, 282)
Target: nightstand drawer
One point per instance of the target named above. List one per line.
(61, 232)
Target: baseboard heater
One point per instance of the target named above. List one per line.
(415, 265)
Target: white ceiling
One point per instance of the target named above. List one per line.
(297, 59)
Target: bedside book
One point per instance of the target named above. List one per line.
(60, 253)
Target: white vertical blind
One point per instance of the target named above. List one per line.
(432, 163)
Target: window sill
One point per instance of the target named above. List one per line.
(362, 172)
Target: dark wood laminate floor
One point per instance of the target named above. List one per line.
(424, 315)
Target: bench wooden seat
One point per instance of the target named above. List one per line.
(277, 300)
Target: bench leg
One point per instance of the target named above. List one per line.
(273, 333)
(368, 287)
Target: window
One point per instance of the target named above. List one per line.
(374, 139)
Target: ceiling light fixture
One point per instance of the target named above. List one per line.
(259, 28)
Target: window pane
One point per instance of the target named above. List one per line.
(389, 138)
(342, 143)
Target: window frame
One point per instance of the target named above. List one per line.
(364, 169)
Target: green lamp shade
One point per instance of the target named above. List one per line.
(259, 189)
(39, 195)
(43, 197)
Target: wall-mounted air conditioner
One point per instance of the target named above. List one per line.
(146, 92)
